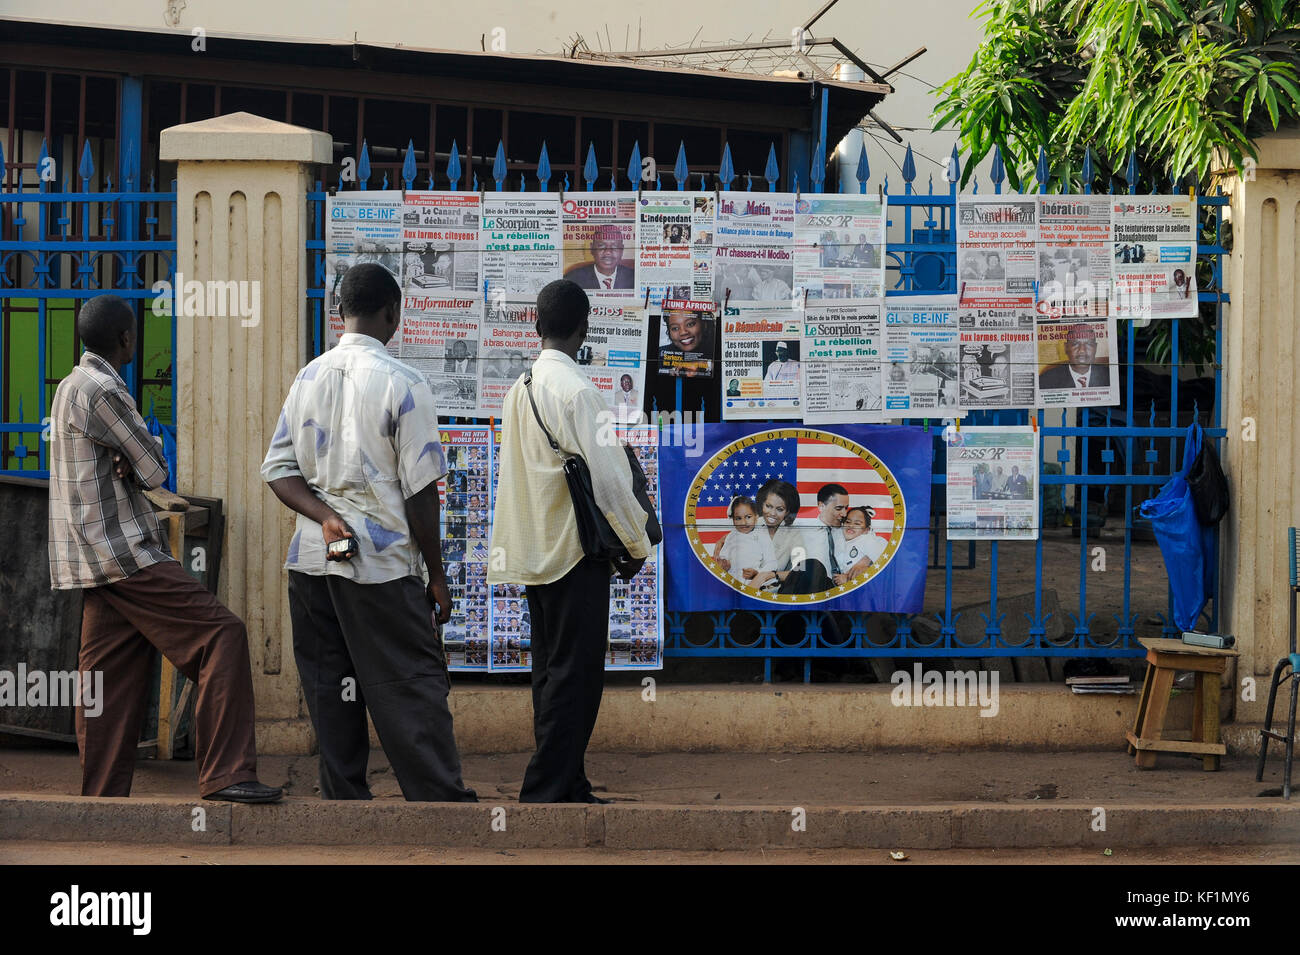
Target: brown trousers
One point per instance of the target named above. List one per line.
(162, 606)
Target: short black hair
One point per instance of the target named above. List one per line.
(562, 309)
(830, 490)
(788, 494)
(741, 501)
(367, 290)
(102, 320)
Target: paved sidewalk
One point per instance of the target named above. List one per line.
(751, 779)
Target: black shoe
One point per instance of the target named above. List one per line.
(596, 800)
(251, 791)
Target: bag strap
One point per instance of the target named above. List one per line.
(528, 387)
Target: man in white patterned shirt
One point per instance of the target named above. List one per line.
(535, 542)
(356, 454)
(105, 540)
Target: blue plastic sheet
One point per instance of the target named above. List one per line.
(1186, 545)
(168, 435)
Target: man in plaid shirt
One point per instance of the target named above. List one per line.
(106, 540)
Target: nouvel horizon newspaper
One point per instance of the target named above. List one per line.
(997, 247)
(842, 346)
(992, 486)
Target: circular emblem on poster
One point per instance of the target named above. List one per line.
(794, 516)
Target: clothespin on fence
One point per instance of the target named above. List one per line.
(492, 425)
(805, 298)
(961, 294)
(647, 297)
(926, 422)
(1033, 420)
(957, 422)
(1035, 291)
(726, 299)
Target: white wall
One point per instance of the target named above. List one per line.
(881, 33)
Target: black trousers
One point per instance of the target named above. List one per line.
(373, 647)
(570, 637)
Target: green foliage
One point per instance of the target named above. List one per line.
(1172, 82)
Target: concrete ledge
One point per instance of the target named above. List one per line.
(615, 826)
(785, 718)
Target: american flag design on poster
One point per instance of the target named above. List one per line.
(809, 460)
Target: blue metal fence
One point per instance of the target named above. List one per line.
(86, 241)
(921, 260)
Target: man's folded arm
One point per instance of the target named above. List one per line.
(115, 423)
(611, 475)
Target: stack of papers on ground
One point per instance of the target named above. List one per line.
(1100, 684)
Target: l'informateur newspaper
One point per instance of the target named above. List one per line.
(842, 345)
(993, 483)
(921, 348)
(761, 367)
(439, 337)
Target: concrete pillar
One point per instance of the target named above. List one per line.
(241, 217)
(1261, 347)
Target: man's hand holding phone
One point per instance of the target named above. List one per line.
(340, 544)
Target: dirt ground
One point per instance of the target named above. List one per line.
(100, 853)
(749, 779)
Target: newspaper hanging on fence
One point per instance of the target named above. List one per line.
(360, 227)
(674, 256)
(439, 337)
(1078, 362)
(521, 244)
(992, 489)
(464, 493)
(1153, 257)
(440, 243)
(1074, 255)
(507, 346)
(753, 239)
(842, 347)
(600, 244)
(635, 606)
(839, 247)
(683, 334)
(921, 359)
(761, 367)
(613, 357)
(998, 364)
(997, 247)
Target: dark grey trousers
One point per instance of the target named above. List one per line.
(570, 637)
(373, 647)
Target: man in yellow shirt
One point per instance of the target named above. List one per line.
(535, 542)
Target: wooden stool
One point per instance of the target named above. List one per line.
(1163, 658)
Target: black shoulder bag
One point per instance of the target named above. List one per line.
(597, 537)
